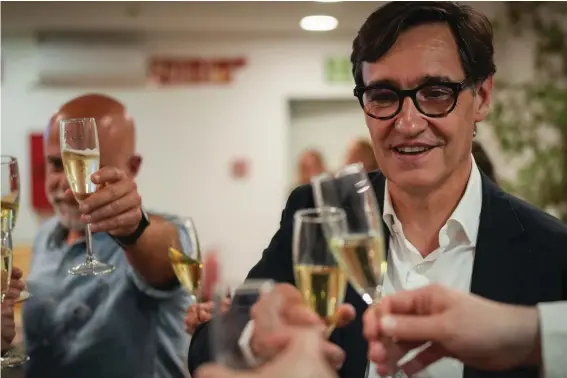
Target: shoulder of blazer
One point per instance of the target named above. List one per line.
(537, 224)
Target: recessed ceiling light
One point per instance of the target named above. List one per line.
(318, 23)
(328, 1)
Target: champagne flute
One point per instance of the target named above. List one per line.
(7, 257)
(318, 277)
(11, 198)
(360, 250)
(10, 189)
(188, 268)
(10, 204)
(80, 154)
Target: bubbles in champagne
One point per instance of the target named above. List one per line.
(322, 287)
(362, 258)
(79, 166)
(6, 269)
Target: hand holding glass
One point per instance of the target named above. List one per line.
(80, 154)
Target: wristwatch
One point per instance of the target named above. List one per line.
(133, 237)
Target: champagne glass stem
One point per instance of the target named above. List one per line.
(89, 240)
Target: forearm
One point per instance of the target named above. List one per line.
(149, 256)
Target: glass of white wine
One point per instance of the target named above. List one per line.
(317, 276)
(10, 203)
(10, 187)
(11, 198)
(6, 271)
(188, 268)
(80, 154)
(360, 250)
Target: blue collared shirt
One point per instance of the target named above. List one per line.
(109, 326)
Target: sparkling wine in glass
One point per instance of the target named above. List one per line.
(10, 203)
(7, 259)
(359, 250)
(80, 154)
(11, 198)
(317, 275)
(10, 187)
(188, 268)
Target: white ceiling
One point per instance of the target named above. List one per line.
(210, 17)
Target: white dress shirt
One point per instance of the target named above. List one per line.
(553, 331)
(450, 265)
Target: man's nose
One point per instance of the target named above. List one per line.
(410, 121)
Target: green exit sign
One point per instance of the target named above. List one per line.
(338, 70)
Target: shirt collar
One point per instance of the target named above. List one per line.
(466, 214)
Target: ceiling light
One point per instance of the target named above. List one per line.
(328, 1)
(318, 23)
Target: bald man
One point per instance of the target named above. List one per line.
(125, 324)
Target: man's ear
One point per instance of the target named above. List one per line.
(483, 99)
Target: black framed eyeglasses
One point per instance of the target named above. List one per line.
(434, 100)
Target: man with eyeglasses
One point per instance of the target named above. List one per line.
(424, 75)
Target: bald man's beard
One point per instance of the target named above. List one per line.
(68, 214)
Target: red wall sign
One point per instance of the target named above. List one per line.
(39, 198)
(186, 71)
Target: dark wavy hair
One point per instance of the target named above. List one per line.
(472, 31)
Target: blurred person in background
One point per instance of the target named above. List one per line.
(483, 161)
(424, 76)
(7, 322)
(361, 151)
(311, 163)
(481, 333)
(125, 324)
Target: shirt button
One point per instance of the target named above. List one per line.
(420, 268)
(395, 228)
